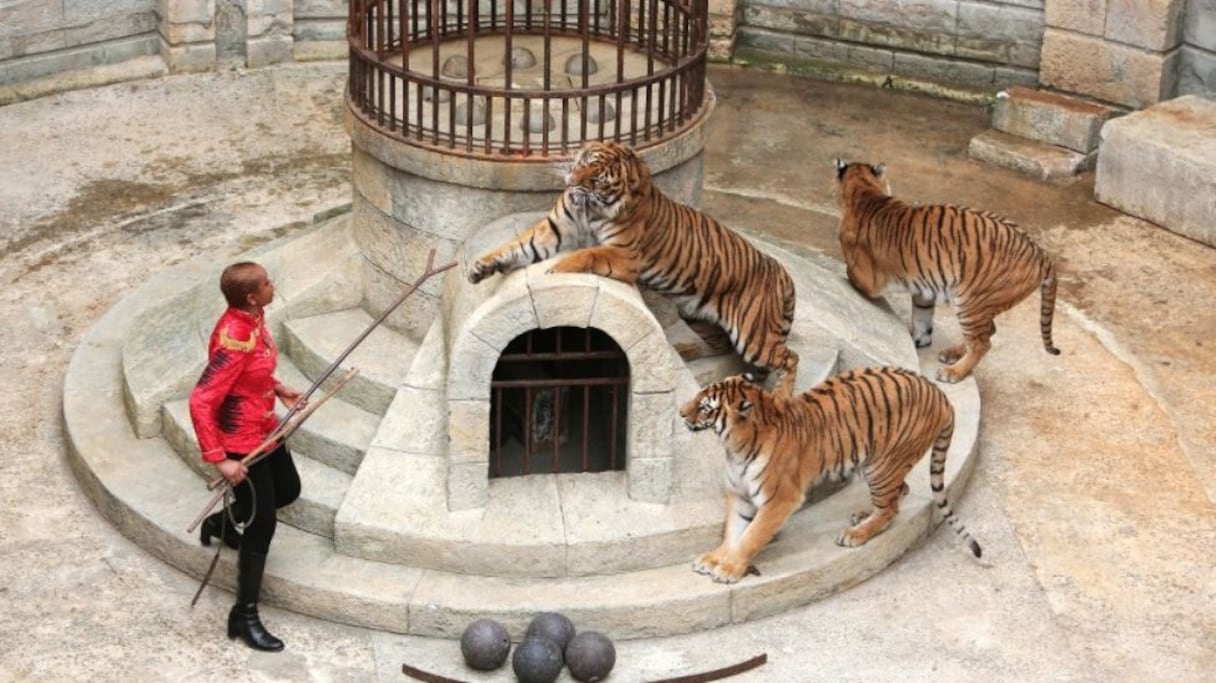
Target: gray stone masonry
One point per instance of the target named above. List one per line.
(1050, 117)
(1036, 159)
(974, 45)
(1160, 164)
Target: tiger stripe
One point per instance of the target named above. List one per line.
(976, 260)
(612, 221)
(876, 421)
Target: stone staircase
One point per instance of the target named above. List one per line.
(1043, 134)
(573, 543)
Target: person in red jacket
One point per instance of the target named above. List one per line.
(233, 410)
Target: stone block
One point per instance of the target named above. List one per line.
(1107, 71)
(273, 49)
(1036, 159)
(999, 34)
(1006, 77)
(650, 479)
(110, 27)
(1160, 165)
(179, 34)
(910, 36)
(185, 58)
(468, 430)
(892, 16)
(1199, 25)
(1197, 73)
(943, 70)
(55, 62)
(1050, 117)
(1151, 24)
(191, 11)
(468, 485)
(1081, 16)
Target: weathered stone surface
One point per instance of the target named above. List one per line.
(272, 49)
(1001, 34)
(186, 58)
(1160, 164)
(1197, 73)
(1151, 24)
(1199, 24)
(1108, 71)
(1037, 159)
(1050, 117)
(1081, 16)
(943, 69)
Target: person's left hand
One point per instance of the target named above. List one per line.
(289, 396)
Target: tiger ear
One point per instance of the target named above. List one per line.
(841, 165)
(878, 169)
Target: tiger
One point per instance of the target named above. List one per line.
(880, 421)
(980, 262)
(612, 221)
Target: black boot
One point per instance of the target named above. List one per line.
(243, 620)
(212, 527)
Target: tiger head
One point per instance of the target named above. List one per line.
(607, 179)
(854, 176)
(726, 407)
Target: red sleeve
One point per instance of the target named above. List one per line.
(217, 379)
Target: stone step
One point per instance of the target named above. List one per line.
(323, 487)
(1050, 117)
(338, 433)
(305, 574)
(1036, 159)
(312, 574)
(383, 358)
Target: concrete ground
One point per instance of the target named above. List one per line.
(1093, 494)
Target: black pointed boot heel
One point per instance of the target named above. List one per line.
(243, 620)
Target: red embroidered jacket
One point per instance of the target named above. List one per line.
(232, 406)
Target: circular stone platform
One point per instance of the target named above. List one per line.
(375, 541)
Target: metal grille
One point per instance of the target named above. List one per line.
(444, 74)
(559, 401)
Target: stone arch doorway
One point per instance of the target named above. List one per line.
(559, 403)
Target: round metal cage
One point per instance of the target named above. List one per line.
(527, 79)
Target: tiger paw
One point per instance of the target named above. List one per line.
(481, 270)
(730, 572)
(849, 539)
(951, 355)
(949, 375)
(705, 564)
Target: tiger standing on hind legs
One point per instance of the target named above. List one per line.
(612, 221)
(878, 421)
(978, 261)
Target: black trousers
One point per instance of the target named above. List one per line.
(271, 483)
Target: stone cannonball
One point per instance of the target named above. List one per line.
(485, 644)
(537, 660)
(590, 656)
(552, 625)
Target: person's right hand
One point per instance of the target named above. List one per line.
(233, 471)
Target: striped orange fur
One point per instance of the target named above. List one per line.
(878, 421)
(978, 261)
(612, 221)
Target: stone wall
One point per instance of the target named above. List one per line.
(46, 38)
(1197, 70)
(43, 37)
(965, 43)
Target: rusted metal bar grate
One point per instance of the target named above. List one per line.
(559, 401)
(452, 75)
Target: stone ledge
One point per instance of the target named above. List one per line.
(1050, 117)
(1036, 159)
(1159, 164)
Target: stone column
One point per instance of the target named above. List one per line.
(187, 34)
(723, 29)
(1121, 51)
(200, 35)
